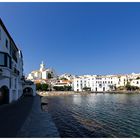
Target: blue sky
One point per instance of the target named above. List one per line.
(76, 38)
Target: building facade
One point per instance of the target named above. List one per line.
(11, 68)
(98, 83)
(94, 83)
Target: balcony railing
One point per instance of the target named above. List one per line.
(5, 60)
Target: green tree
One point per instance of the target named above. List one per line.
(49, 76)
(44, 87)
(67, 88)
(57, 88)
(131, 88)
(87, 89)
(62, 88)
(38, 86)
(63, 78)
(138, 78)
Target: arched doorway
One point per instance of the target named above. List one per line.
(4, 95)
(28, 91)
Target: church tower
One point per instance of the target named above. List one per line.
(42, 66)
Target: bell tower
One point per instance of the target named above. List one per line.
(42, 66)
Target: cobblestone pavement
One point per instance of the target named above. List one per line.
(38, 123)
(13, 116)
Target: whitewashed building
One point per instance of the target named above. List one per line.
(12, 81)
(67, 76)
(94, 82)
(42, 73)
(98, 83)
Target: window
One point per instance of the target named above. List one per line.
(13, 51)
(137, 82)
(2, 59)
(6, 43)
(15, 83)
(9, 62)
(100, 85)
(0, 34)
(10, 82)
(5, 60)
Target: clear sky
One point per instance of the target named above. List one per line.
(76, 38)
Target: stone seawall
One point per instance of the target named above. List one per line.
(58, 93)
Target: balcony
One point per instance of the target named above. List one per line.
(5, 60)
(5, 65)
(4, 73)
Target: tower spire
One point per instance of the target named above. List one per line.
(42, 66)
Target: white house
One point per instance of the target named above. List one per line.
(12, 81)
(94, 82)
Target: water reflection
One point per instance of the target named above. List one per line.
(97, 115)
(76, 99)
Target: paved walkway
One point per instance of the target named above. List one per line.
(38, 123)
(13, 116)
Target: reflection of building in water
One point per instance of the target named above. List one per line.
(77, 99)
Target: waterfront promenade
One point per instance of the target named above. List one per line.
(12, 116)
(24, 118)
(38, 124)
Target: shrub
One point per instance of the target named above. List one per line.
(87, 89)
(129, 87)
(62, 88)
(41, 87)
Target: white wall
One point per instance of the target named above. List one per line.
(14, 91)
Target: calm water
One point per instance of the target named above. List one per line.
(96, 115)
